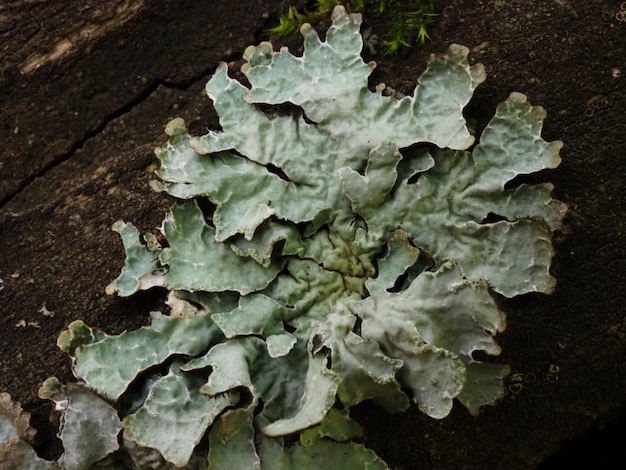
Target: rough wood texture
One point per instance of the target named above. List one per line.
(86, 91)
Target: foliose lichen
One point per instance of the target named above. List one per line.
(333, 245)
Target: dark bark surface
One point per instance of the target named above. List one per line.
(85, 91)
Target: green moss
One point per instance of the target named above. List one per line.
(403, 19)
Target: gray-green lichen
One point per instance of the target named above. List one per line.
(332, 251)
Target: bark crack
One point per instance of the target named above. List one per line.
(122, 110)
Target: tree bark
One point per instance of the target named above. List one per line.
(87, 90)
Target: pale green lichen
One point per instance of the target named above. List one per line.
(336, 250)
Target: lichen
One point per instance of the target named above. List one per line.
(333, 245)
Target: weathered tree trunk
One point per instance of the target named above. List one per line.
(86, 90)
